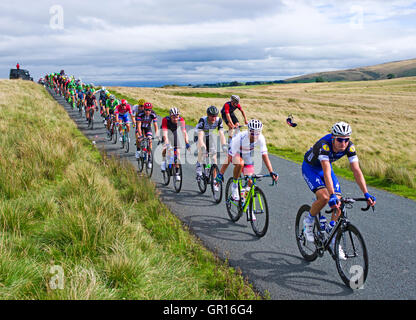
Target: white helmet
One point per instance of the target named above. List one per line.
(341, 129)
(174, 112)
(235, 98)
(255, 125)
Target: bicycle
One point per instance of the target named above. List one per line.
(80, 105)
(146, 156)
(209, 172)
(91, 118)
(349, 243)
(252, 202)
(125, 139)
(174, 169)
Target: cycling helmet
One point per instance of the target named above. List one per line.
(174, 111)
(235, 98)
(341, 129)
(141, 102)
(212, 111)
(123, 101)
(112, 97)
(148, 106)
(255, 125)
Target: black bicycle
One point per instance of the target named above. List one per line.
(173, 169)
(344, 242)
(145, 159)
(91, 118)
(209, 172)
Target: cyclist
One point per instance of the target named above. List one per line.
(71, 93)
(80, 95)
(170, 123)
(320, 178)
(90, 102)
(227, 114)
(204, 128)
(122, 112)
(110, 105)
(103, 98)
(242, 150)
(144, 122)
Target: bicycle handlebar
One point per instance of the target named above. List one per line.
(352, 200)
(259, 177)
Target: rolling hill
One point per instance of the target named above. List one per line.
(396, 69)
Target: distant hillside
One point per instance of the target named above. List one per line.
(396, 69)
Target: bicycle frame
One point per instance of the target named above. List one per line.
(342, 222)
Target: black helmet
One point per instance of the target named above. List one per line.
(212, 111)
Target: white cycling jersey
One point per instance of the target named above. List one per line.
(241, 145)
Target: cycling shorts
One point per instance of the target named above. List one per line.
(124, 117)
(314, 177)
(232, 116)
(145, 132)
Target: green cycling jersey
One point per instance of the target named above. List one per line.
(111, 105)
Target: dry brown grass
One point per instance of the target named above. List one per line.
(382, 115)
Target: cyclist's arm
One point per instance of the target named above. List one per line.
(185, 134)
(139, 128)
(133, 118)
(230, 122)
(359, 178)
(201, 140)
(222, 137)
(156, 129)
(326, 167)
(267, 162)
(244, 115)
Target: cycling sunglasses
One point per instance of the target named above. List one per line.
(340, 140)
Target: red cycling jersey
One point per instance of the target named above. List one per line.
(228, 108)
(122, 110)
(167, 124)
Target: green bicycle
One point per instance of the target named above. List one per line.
(252, 202)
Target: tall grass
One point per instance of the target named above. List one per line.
(76, 224)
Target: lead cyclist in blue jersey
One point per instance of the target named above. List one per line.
(318, 174)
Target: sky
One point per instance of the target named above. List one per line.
(194, 42)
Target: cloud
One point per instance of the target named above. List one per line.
(204, 41)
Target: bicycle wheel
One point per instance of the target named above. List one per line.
(114, 129)
(126, 141)
(166, 174)
(351, 256)
(216, 187)
(140, 161)
(233, 207)
(91, 120)
(259, 213)
(307, 249)
(202, 181)
(149, 164)
(177, 173)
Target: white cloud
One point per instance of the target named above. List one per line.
(216, 40)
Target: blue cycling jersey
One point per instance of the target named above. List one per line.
(322, 150)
